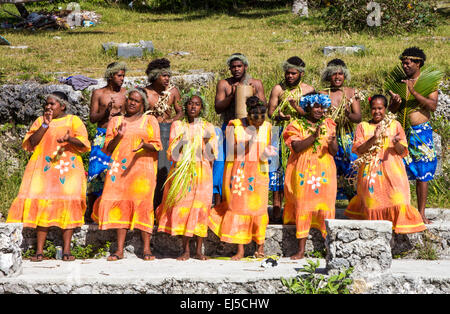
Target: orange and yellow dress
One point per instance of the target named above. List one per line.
(189, 216)
(310, 184)
(383, 187)
(127, 199)
(242, 216)
(53, 188)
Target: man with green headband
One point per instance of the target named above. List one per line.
(414, 111)
(283, 108)
(225, 106)
(164, 104)
(106, 102)
(345, 110)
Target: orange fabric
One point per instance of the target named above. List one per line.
(310, 184)
(127, 198)
(53, 189)
(190, 215)
(383, 189)
(242, 216)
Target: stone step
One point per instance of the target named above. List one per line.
(169, 276)
(280, 240)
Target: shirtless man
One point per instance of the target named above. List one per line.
(163, 99)
(224, 105)
(106, 102)
(420, 164)
(335, 75)
(288, 92)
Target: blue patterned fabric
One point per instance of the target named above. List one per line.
(98, 164)
(219, 163)
(344, 167)
(276, 171)
(421, 162)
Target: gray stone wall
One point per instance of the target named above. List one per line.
(10, 252)
(363, 245)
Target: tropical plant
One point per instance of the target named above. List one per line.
(427, 83)
(313, 283)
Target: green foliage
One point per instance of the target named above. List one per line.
(312, 283)
(80, 252)
(397, 16)
(89, 251)
(427, 250)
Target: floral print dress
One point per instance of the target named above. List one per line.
(310, 185)
(53, 188)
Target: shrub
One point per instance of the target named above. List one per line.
(397, 16)
(313, 283)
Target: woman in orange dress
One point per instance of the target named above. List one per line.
(133, 143)
(193, 145)
(382, 184)
(310, 183)
(53, 189)
(243, 216)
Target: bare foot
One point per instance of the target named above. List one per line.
(425, 220)
(37, 258)
(259, 254)
(147, 256)
(237, 257)
(184, 257)
(201, 257)
(299, 255)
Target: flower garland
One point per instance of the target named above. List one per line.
(371, 156)
(308, 127)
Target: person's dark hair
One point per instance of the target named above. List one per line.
(296, 61)
(415, 52)
(378, 96)
(162, 63)
(254, 105)
(337, 62)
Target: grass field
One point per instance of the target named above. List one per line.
(266, 36)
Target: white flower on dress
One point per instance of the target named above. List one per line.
(372, 177)
(63, 166)
(238, 188)
(315, 182)
(114, 168)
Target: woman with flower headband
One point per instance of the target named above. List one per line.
(382, 183)
(242, 216)
(187, 198)
(53, 189)
(310, 182)
(133, 142)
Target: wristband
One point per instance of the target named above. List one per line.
(44, 125)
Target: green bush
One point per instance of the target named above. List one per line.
(397, 16)
(313, 283)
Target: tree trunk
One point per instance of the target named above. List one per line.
(300, 7)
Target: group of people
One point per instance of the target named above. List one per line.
(156, 158)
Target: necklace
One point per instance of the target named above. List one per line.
(308, 127)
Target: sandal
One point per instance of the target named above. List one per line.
(113, 258)
(68, 258)
(37, 258)
(148, 257)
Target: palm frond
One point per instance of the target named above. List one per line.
(427, 83)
